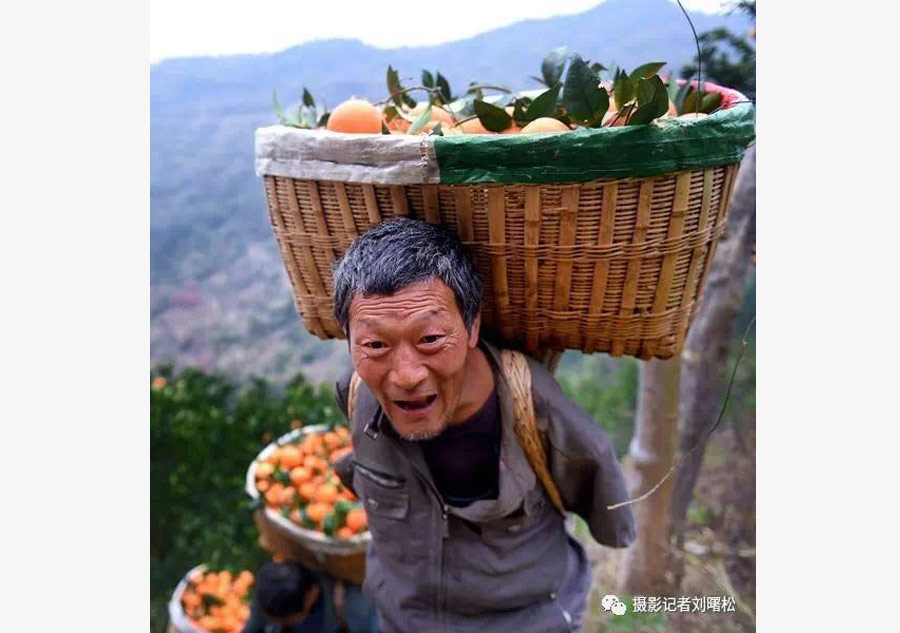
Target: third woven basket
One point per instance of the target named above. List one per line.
(597, 240)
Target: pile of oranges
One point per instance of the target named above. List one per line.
(298, 480)
(217, 601)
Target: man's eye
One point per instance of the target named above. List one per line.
(375, 345)
(431, 338)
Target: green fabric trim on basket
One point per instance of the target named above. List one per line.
(663, 146)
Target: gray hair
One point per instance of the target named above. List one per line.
(398, 253)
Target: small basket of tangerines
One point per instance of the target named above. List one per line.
(207, 601)
(305, 512)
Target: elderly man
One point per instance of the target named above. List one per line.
(463, 535)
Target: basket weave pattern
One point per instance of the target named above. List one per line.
(612, 265)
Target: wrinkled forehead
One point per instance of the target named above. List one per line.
(422, 302)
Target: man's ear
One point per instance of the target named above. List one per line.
(474, 331)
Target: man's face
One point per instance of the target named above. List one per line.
(411, 348)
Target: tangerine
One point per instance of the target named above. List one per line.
(299, 475)
(355, 116)
(357, 520)
(317, 511)
(545, 124)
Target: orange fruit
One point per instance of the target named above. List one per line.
(343, 432)
(332, 440)
(357, 520)
(398, 125)
(275, 494)
(290, 457)
(300, 475)
(545, 124)
(326, 493)
(611, 116)
(472, 126)
(355, 116)
(308, 491)
(344, 532)
(159, 382)
(338, 453)
(438, 114)
(312, 444)
(295, 516)
(317, 511)
(262, 485)
(265, 469)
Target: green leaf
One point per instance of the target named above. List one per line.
(672, 88)
(645, 71)
(597, 67)
(644, 92)
(210, 600)
(654, 107)
(394, 87)
(623, 89)
(519, 107)
(537, 79)
(691, 102)
(492, 118)
(585, 101)
(711, 101)
(552, 66)
(427, 79)
(390, 113)
(443, 85)
(279, 112)
(329, 525)
(543, 105)
(307, 116)
(308, 99)
(424, 118)
(323, 120)
(681, 94)
(384, 128)
(342, 507)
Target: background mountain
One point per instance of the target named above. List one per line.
(220, 298)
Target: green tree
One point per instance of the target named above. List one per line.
(204, 432)
(728, 59)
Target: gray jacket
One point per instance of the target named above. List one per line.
(497, 565)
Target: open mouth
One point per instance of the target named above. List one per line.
(416, 405)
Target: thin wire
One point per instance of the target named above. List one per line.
(701, 442)
(699, 56)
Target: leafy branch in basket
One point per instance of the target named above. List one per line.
(574, 96)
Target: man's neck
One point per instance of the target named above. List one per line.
(478, 383)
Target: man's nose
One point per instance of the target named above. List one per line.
(408, 371)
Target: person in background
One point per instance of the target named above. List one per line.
(288, 599)
(344, 608)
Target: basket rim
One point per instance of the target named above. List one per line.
(177, 616)
(663, 146)
(312, 538)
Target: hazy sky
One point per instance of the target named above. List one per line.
(185, 28)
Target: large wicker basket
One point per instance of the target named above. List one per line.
(595, 240)
(341, 558)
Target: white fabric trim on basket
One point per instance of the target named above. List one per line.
(386, 159)
(177, 617)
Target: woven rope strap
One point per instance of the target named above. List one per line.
(518, 375)
(351, 396)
